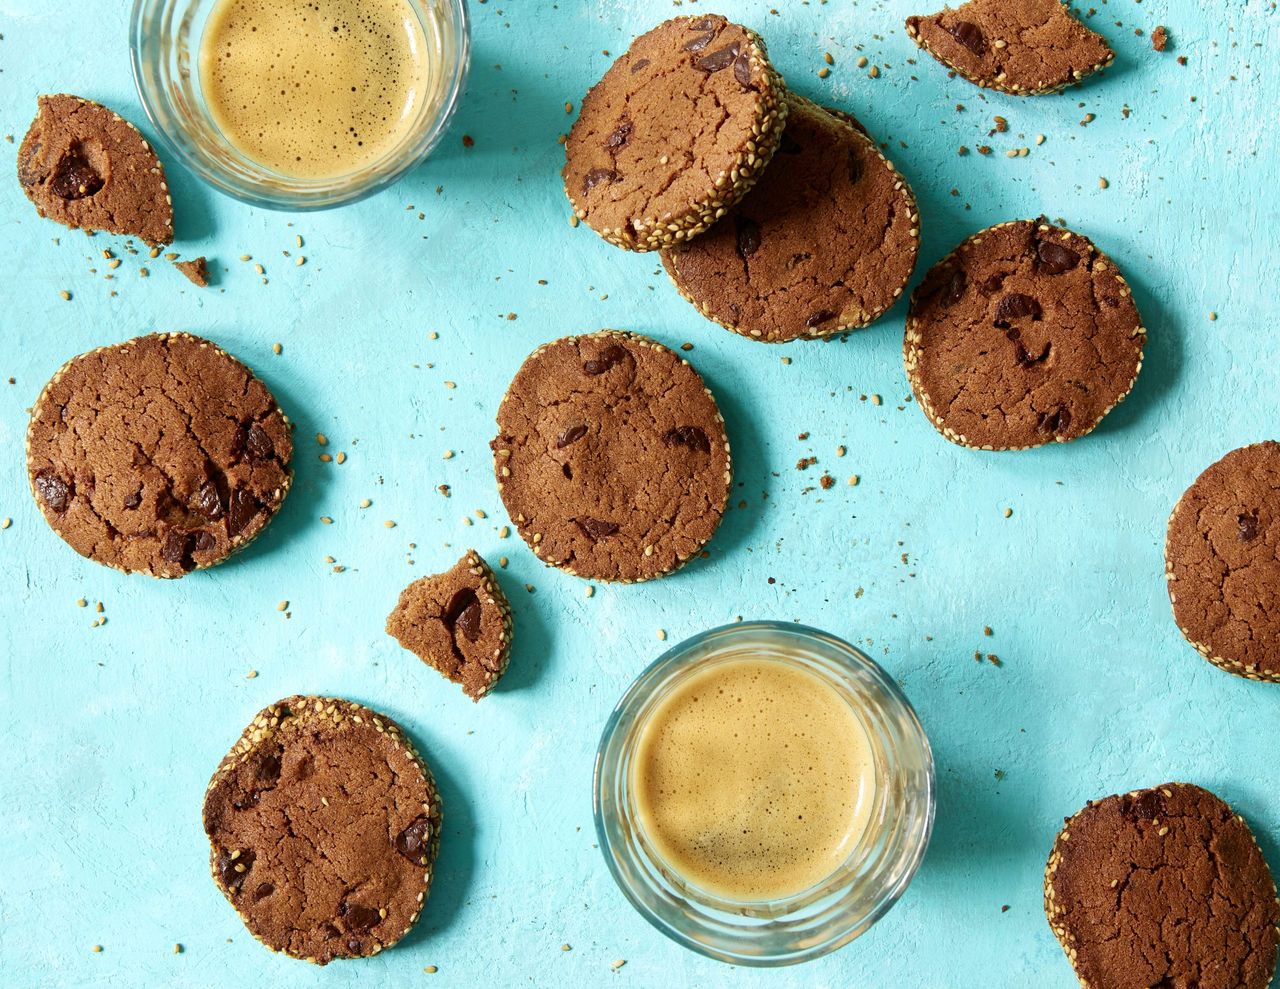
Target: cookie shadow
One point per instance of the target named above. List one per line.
(192, 213)
(530, 632)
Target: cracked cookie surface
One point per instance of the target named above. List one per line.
(160, 455)
(611, 457)
(1022, 47)
(88, 168)
(1025, 334)
(457, 622)
(1165, 888)
(1222, 562)
(674, 133)
(825, 242)
(323, 824)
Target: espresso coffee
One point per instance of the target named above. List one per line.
(753, 779)
(316, 89)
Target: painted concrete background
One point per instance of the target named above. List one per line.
(109, 733)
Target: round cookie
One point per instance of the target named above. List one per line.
(611, 457)
(160, 455)
(674, 134)
(825, 242)
(1162, 887)
(1025, 334)
(318, 868)
(1222, 561)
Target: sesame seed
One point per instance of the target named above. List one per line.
(301, 261)
(389, 524)
(431, 970)
(502, 562)
(862, 62)
(5, 523)
(504, 532)
(1213, 316)
(986, 630)
(662, 635)
(466, 520)
(298, 240)
(826, 57)
(177, 949)
(840, 451)
(874, 72)
(853, 480)
(97, 949)
(448, 454)
(341, 458)
(823, 72)
(276, 348)
(1103, 183)
(568, 107)
(480, 514)
(246, 257)
(325, 458)
(1039, 139)
(65, 295)
(566, 947)
(365, 503)
(1008, 513)
(322, 439)
(326, 520)
(259, 269)
(591, 591)
(876, 400)
(82, 603)
(618, 963)
(282, 606)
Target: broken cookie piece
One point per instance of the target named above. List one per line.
(196, 270)
(457, 622)
(88, 168)
(1022, 47)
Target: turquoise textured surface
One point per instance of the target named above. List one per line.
(109, 733)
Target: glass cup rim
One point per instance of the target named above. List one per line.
(342, 190)
(623, 861)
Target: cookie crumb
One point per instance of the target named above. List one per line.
(1160, 38)
(196, 271)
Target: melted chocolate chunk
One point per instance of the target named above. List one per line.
(1054, 258)
(992, 284)
(54, 490)
(621, 134)
(742, 71)
(414, 841)
(244, 506)
(610, 357)
(233, 868)
(1248, 524)
(953, 290)
(1016, 306)
(74, 177)
(594, 529)
(748, 236)
(258, 444)
(719, 59)
(706, 24)
(462, 614)
(208, 502)
(176, 548)
(700, 42)
(820, 317)
(570, 435)
(1056, 421)
(969, 35)
(263, 891)
(638, 64)
(1146, 806)
(359, 918)
(693, 437)
(598, 175)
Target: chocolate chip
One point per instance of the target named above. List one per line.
(992, 284)
(1248, 524)
(706, 24)
(29, 170)
(462, 613)
(742, 71)
(133, 500)
(719, 59)
(1024, 358)
(820, 317)
(258, 444)
(691, 436)
(358, 917)
(208, 502)
(1016, 306)
(610, 357)
(969, 35)
(638, 64)
(53, 489)
(570, 435)
(414, 841)
(855, 167)
(244, 506)
(700, 42)
(598, 175)
(204, 542)
(748, 236)
(176, 548)
(953, 290)
(1056, 421)
(73, 176)
(263, 891)
(621, 134)
(1055, 259)
(233, 869)
(1147, 806)
(594, 529)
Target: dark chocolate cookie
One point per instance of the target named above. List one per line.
(1023, 47)
(89, 168)
(674, 134)
(611, 457)
(160, 455)
(457, 622)
(825, 242)
(1222, 560)
(324, 825)
(1025, 334)
(1162, 888)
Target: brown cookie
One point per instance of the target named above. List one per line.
(89, 168)
(1162, 888)
(825, 242)
(196, 271)
(674, 134)
(1222, 561)
(611, 457)
(1023, 47)
(324, 825)
(160, 455)
(1025, 334)
(458, 622)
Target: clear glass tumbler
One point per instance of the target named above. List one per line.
(844, 905)
(164, 43)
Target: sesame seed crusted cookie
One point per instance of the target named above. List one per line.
(1023, 335)
(318, 868)
(88, 168)
(1222, 562)
(675, 132)
(611, 457)
(1020, 47)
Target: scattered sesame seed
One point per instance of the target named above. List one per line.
(97, 949)
(177, 949)
(840, 451)
(365, 503)
(466, 520)
(591, 591)
(824, 72)
(662, 635)
(298, 240)
(65, 295)
(322, 439)
(1008, 513)
(431, 970)
(573, 219)
(1213, 316)
(326, 520)
(1039, 139)
(874, 72)
(502, 562)
(853, 480)
(259, 269)
(448, 454)
(862, 62)
(568, 107)
(325, 458)
(876, 400)
(341, 457)
(451, 384)
(246, 257)
(1103, 183)
(389, 524)
(301, 261)
(986, 630)
(826, 57)
(504, 532)
(282, 606)
(82, 603)
(566, 947)
(5, 523)
(618, 963)
(276, 348)
(1011, 153)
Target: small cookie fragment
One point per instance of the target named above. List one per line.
(1160, 38)
(611, 457)
(324, 824)
(160, 455)
(1022, 47)
(457, 622)
(196, 270)
(675, 132)
(1025, 334)
(88, 168)
(1162, 887)
(824, 243)
(1222, 562)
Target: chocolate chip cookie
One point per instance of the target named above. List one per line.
(611, 457)
(458, 622)
(1025, 334)
(1222, 561)
(88, 168)
(1022, 47)
(1163, 887)
(825, 242)
(160, 455)
(675, 133)
(324, 825)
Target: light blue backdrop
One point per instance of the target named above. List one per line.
(109, 734)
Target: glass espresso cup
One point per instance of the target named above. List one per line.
(835, 910)
(165, 39)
